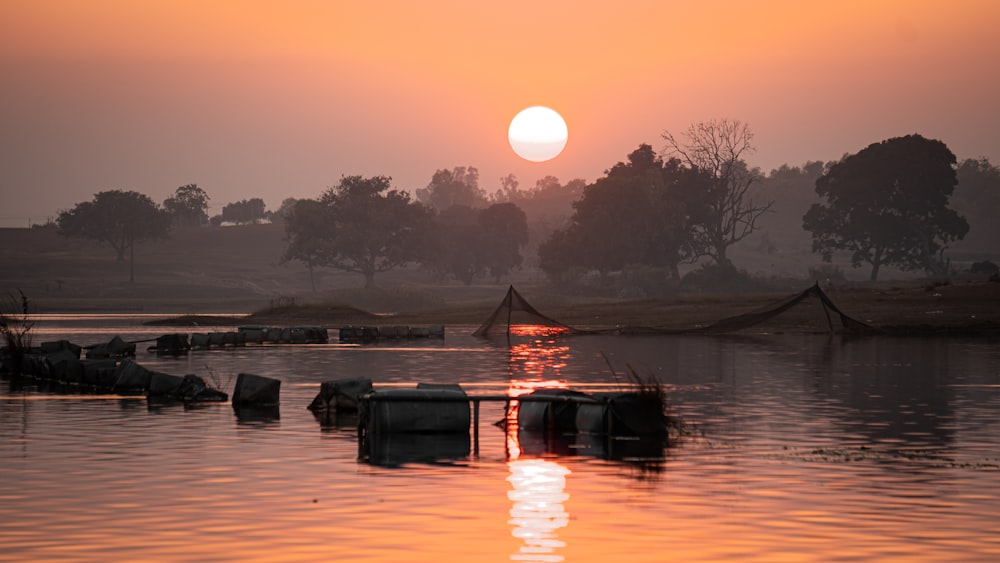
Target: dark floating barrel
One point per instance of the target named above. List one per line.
(340, 395)
(114, 348)
(256, 390)
(426, 409)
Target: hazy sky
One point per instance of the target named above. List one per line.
(280, 99)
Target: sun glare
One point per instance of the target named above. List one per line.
(537, 134)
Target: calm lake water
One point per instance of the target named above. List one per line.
(800, 448)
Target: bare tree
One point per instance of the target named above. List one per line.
(727, 213)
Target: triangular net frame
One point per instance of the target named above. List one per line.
(513, 312)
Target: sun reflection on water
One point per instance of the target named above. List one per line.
(536, 360)
(538, 494)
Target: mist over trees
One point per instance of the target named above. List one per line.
(119, 218)
(977, 198)
(888, 205)
(467, 243)
(691, 207)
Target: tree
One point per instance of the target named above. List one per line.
(504, 228)
(888, 205)
(636, 214)
(459, 186)
(245, 211)
(728, 214)
(119, 218)
(367, 227)
(977, 198)
(307, 223)
(454, 247)
(188, 206)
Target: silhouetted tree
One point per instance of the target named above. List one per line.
(286, 207)
(636, 214)
(245, 211)
(467, 243)
(307, 226)
(188, 206)
(728, 212)
(454, 247)
(119, 218)
(888, 205)
(458, 186)
(504, 228)
(367, 227)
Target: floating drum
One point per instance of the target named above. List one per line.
(419, 332)
(200, 340)
(340, 395)
(172, 344)
(623, 414)
(164, 385)
(422, 410)
(550, 409)
(116, 347)
(131, 378)
(256, 390)
(49, 348)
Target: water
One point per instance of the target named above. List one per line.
(801, 448)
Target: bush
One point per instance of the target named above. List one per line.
(719, 278)
(985, 267)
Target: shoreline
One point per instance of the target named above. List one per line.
(960, 309)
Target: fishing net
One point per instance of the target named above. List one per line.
(514, 315)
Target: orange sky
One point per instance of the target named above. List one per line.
(278, 99)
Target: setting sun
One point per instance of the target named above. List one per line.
(537, 134)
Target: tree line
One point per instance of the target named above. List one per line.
(890, 204)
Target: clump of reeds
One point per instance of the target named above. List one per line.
(15, 329)
(651, 400)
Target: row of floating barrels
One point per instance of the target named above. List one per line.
(373, 333)
(180, 343)
(59, 363)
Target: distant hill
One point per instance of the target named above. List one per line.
(230, 268)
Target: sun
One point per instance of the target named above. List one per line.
(537, 134)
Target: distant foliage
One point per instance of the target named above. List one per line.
(458, 186)
(468, 243)
(361, 225)
(985, 267)
(977, 198)
(188, 207)
(245, 212)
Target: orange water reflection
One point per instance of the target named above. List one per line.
(536, 359)
(538, 494)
